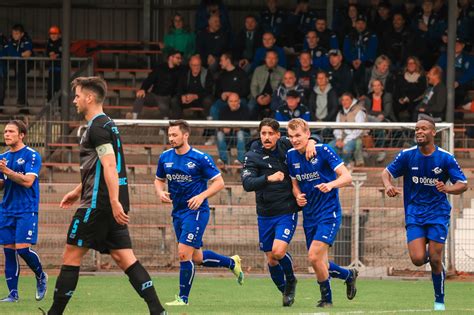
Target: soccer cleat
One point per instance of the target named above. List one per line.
(11, 298)
(239, 274)
(439, 307)
(351, 288)
(323, 304)
(289, 293)
(41, 286)
(177, 302)
(164, 312)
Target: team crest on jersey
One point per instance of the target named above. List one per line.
(20, 161)
(168, 165)
(296, 165)
(314, 161)
(191, 165)
(437, 170)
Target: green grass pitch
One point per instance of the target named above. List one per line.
(212, 294)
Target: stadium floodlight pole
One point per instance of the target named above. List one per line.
(329, 11)
(452, 7)
(65, 63)
(358, 180)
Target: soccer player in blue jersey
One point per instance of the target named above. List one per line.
(19, 168)
(426, 168)
(315, 187)
(187, 171)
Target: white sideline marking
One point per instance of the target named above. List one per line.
(388, 312)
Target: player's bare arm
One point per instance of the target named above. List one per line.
(25, 180)
(310, 149)
(216, 185)
(390, 190)
(344, 178)
(299, 196)
(161, 192)
(71, 197)
(456, 189)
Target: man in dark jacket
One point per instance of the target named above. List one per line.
(212, 42)
(266, 173)
(246, 43)
(434, 100)
(340, 74)
(54, 52)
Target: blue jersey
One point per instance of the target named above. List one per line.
(424, 204)
(187, 176)
(17, 198)
(320, 169)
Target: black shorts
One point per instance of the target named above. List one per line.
(97, 229)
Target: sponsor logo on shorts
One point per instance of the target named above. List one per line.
(190, 237)
(287, 231)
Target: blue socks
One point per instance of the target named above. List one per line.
(32, 260)
(325, 288)
(278, 276)
(336, 271)
(212, 259)
(12, 270)
(438, 284)
(287, 266)
(186, 277)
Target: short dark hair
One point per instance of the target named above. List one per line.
(96, 85)
(270, 122)
(428, 118)
(182, 124)
(326, 74)
(228, 55)
(20, 124)
(18, 27)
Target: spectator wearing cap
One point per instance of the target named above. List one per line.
(340, 73)
(54, 52)
(300, 22)
(319, 54)
(399, 42)
(360, 48)
(289, 83)
(212, 42)
(265, 80)
(20, 45)
(246, 43)
(323, 102)
(305, 73)
(435, 96)
(464, 71)
(180, 38)
(273, 20)
(269, 43)
(159, 88)
(292, 108)
(327, 38)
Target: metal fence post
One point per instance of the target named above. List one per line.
(358, 180)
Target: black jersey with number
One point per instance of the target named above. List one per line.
(95, 195)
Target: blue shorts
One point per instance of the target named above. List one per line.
(21, 228)
(433, 232)
(280, 227)
(190, 226)
(324, 231)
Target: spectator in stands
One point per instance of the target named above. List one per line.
(327, 38)
(227, 136)
(348, 142)
(54, 52)
(464, 71)
(323, 102)
(268, 41)
(383, 21)
(273, 20)
(465, 25)
(292, 108)
(435, 97)
(379, 71)
(20, 45)
(305, 73)
(195, 89)
(340, 74)
(180, 38)
(399, 42)
(212, 42)
(349, 22)
(231, 80)
(410, 87)
(159, 88)
(319, 54)
(410, 12)
(265, 80)
(289, 83)
(440, 8)
(247, 42)
(300, 22)
(372, 13)
(360, 49)
(209, 8)
(378, 106)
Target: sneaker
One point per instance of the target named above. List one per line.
(239, 274)
(289, 293)
(210, 141)
(177, 302)
(11, 298)
(164, 312)
(439, 307)
(323, 304)
(381, 157)
(351, 288)
(41, 286)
